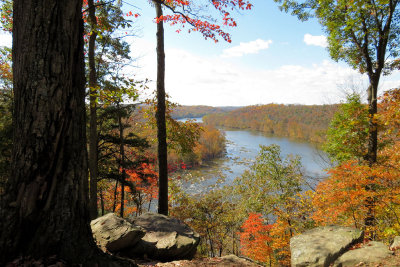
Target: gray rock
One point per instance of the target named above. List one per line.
(115, 233)
(234, 260)
(323, 245)
(165, 239)
(395, 244)
(373, 252)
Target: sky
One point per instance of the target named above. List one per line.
(273, 58)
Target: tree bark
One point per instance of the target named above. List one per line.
(373, 127)
(93, 137)
(44, 211)
(102, 203)
(372, 147)
(160, 117)
(115, 196)
(122, 164)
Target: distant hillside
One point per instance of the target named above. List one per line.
(198, 111)
(303, 122)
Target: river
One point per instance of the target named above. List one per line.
(241, 149)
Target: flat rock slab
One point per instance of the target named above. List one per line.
(372, 252)
(166, 238)
(226, 261)
(323, 245)
(115, 233)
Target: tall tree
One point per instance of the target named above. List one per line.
(185, 12)
(105, 53)
(363, 33)
(44, 212)
(160, 117)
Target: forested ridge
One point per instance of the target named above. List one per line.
(181, 112)
(304, 122)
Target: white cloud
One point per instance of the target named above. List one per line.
(5, 39)
(252, 47)
(319, 40)
(215, 81)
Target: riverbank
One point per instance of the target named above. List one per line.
(242, 146)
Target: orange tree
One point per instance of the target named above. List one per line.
(141, 188)
(255, 238)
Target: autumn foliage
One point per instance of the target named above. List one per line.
(141, 190)
(255, 238)
(301, 122)
(183, 16)
(341, 198)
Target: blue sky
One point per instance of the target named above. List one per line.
(273, 58)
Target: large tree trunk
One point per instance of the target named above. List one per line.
(44, 211)
(93, 139)
(160, 116)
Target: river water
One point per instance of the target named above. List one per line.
(241, 150)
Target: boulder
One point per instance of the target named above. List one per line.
(166, 238)
(323, 245)
(395, 244)
(115, 233)
(372, 252)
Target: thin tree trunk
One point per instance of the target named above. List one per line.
(115, 196)
(148, 209)
(44, 210)
(93, 139)
(122, 163)
(211, 244)
(290, 227)
(102, 203)
(233, 243)
(160, 117)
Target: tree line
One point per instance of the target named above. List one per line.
(181, 112)
(303, 122)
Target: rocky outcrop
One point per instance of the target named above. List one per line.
(150, 236)
(339, 247)
(114, 233)
(165, 238)
(372, 252)
(322, 246)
